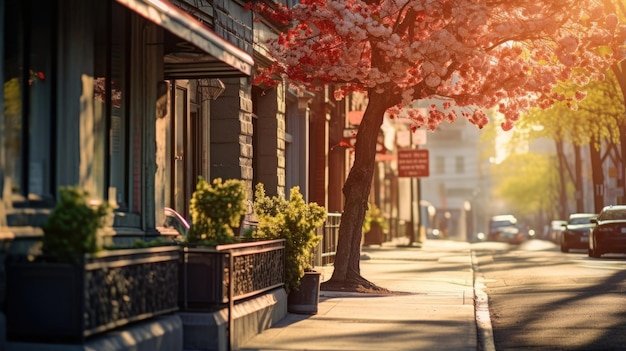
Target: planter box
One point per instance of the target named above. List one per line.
(205, 273)
(68, 302)
(375, 236)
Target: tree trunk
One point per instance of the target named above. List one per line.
(580, 191)
(347, 271)
(619, 69)
(621, 183)
(597, 176)
(562, 208)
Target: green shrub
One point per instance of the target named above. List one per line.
(215, 210)
(373, 215)
(292, 220)
(73, 225)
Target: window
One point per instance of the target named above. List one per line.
(460, 165)
(440, 166)
(110, 140)
(27, 124)
(117, 137)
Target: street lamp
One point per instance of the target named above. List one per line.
(210, 88)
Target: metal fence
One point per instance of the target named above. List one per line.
(324, 254)
(252, 267)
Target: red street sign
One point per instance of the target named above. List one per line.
(413, 163)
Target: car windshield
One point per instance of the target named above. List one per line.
(612, 214)
(500, 224)
(580, 220)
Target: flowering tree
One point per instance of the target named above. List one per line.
(472, 54)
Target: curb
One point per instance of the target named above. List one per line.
(481, 310)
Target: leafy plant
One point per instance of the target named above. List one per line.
(293, 220)
(73, 224)
(373, 215)
(215, 210)
(141, 244)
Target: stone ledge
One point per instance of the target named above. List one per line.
(163, 333)
(209, 331)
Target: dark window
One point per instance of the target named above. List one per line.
(27, 125)
(117, 137)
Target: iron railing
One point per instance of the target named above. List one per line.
(324, 254)
(252, 267)
(213, 277)
(51, 301)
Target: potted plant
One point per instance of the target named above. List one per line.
(295, 221)
(88, 290)
(221, 269)
(374, 226)
(216, 209)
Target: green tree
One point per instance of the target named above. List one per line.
(526, 184)
(596, 122)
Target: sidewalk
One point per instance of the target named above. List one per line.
(438, 314)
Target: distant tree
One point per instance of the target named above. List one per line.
(596, 122)
(525, 182)
(506, 54)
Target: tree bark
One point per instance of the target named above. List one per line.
(597, 177)
(619, 70)
(562, 208)
(621, 177)
(580, 191)
(347, 271)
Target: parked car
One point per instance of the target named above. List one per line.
(504, 228)
(609, 234)
(575, 234)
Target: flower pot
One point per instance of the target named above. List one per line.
(306, 299)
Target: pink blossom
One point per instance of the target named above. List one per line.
(475, 53)
(580, 95)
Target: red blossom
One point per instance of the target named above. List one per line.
(34, 76)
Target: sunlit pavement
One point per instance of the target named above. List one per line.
(435, 312)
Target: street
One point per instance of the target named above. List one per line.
(542, 299)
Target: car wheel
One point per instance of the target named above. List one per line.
(564, 248)
(594, 253)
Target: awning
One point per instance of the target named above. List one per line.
(190, 61)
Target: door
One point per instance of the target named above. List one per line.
(187, 149)
(180, 155)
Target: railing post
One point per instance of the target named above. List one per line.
(317, 254)
(185, 252)
(231, 303)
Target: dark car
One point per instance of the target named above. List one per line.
(504, 228)
(609, 234)
(575, 234)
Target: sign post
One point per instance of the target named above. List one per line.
(413, 163)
